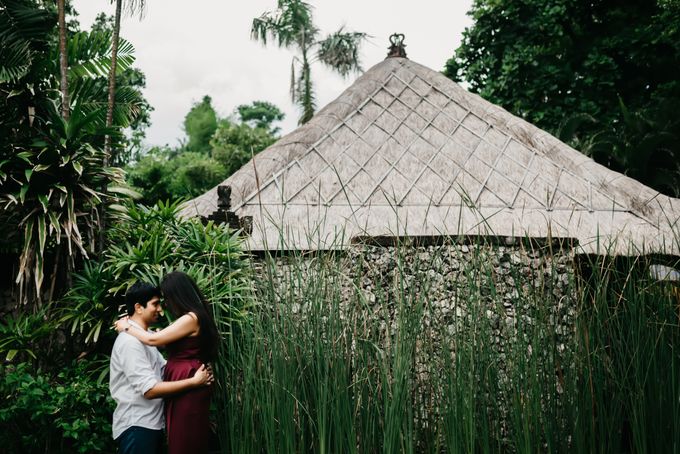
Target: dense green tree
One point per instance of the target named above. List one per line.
(51, 164)
(545, 60)
(234, 144)
(292, 26)
(200, 124)
(166, 174)
(260, 114)
(548, 61)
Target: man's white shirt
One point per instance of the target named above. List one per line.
(135, 368)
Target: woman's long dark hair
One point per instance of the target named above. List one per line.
(182, 295)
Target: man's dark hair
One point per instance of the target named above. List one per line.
(141, 293)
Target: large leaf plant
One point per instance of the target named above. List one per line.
(145, 244)
(52, 175)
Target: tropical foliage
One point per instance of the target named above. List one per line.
(134, 6)
(147, 243)
(57, 404)
(260, 114)
(305, 364)
(233, 144)
(66, 411)
(128, 79)
(216, 148)
(51, 167)
(548, 61)
(291, 25)
(200, 125)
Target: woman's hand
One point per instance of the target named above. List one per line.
(122, 323)
(204, 376)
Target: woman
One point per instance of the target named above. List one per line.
(191, 340)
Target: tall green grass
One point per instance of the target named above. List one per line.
(340, 356)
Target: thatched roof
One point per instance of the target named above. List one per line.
(406, 151)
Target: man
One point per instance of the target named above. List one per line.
(136, 382)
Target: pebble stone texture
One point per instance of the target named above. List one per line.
(497, 288)
(508, 280)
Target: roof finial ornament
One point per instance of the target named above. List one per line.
(397, 46)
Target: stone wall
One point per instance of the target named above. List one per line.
(454, 283)
(500, 316)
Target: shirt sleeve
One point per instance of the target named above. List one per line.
(137, 368)
(162, 361)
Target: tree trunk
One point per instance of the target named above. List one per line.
(307, 100)
(63, 61)
(112, 82)
(108, 158)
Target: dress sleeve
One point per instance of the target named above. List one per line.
(138, 369)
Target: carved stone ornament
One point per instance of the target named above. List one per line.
(397, 46)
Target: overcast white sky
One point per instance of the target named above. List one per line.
(191, 49)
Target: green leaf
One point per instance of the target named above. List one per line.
(42, 234)
(22, 193)
(54, 224)
(25, 155)
(38, 271)
(70, 208)
(125, 191)
(27, 174)
(28, 235)
(78, 167)
(44, 201)
(93, 193)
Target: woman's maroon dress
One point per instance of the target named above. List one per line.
(186, 414)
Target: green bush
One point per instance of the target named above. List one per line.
(147, 243)
(54, 413)
(23, 334)
(234, 144)
(165, 175)
(48, 408)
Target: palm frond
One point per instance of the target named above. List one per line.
(135, 8)
(24, 31)
(340, 51)
(91, 96)
(305, 94)
(90, 55)
(290, 24)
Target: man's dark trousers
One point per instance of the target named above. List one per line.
(140, 440)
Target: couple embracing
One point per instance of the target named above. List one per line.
(141, 380)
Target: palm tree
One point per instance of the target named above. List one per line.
(51, 166)
(63, 60)
(134, 7)
(291, 26)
